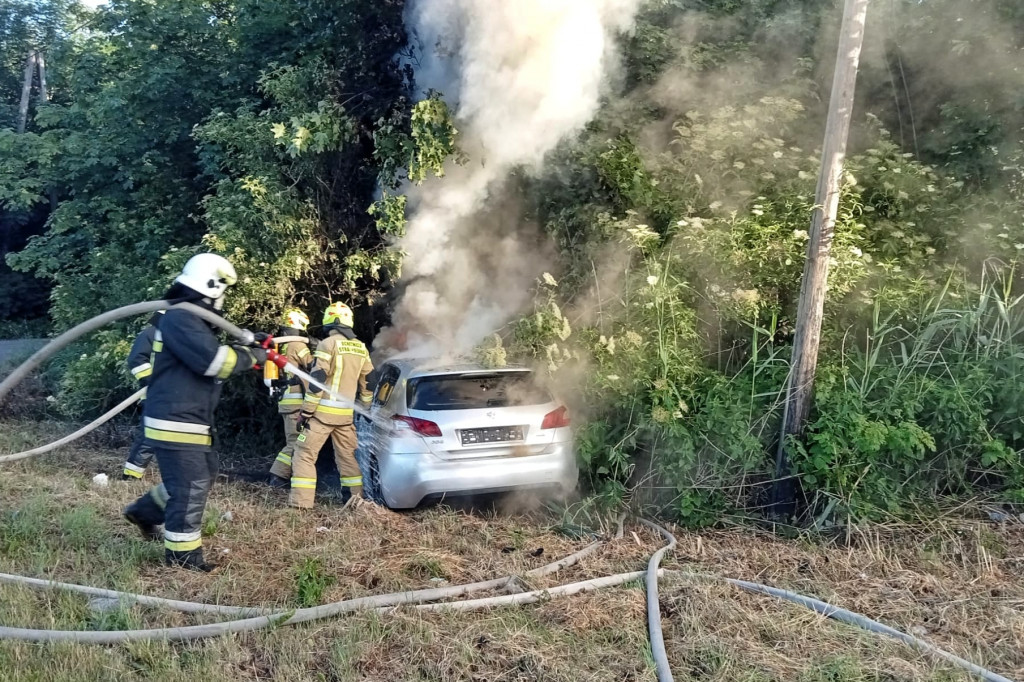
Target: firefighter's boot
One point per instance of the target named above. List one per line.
(278, 482)
(191, 560)
(150, 531)
(147, 513)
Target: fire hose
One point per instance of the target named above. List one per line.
(67, 338)
(418, 597)
(91, 426)
(387, 600)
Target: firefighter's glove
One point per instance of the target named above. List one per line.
(301, 421)
(259, 338)
(257, 356)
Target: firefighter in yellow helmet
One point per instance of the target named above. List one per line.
(295, 323)
(341, 362)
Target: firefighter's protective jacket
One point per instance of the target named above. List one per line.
(298, 354)
(189, 367)
(341, 363)
(139, 356)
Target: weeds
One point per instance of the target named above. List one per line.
(211, 521)
(20, 528)
(918, 402)
(121, 617)
(311, 582)
(426, 566)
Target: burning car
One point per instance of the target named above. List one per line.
(434, 431)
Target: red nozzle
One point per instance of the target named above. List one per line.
(267, 341)
(276, 358)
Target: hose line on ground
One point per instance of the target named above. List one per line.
(535, 595)
(816, 605)
(300, 615)
(852, 618)
(271, 620)
(657, 637)
(433, 594)
(91, 426)
(199, 607)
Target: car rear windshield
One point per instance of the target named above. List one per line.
(475, 391)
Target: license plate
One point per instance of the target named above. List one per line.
(496, 434)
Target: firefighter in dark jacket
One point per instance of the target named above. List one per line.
(295, 323)
(140, 365)
(189, 367)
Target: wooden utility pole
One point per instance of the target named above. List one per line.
(800, 385)
(26, 90)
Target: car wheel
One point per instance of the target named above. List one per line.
(371, 488)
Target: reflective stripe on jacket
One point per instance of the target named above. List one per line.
(189, 366)
(139, 357)
(298, 354)
(342, 364)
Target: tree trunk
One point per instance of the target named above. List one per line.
(26, 90)
(44, 96)
(815, 278)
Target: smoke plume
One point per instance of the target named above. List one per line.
(522, 77)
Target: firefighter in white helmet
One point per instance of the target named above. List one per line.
(341, 362)
(295, 323)
(189, 368)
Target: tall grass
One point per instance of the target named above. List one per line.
(916, 401)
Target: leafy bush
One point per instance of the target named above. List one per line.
(681, 368)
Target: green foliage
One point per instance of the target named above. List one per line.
(673, 314)
(420, 146)
(26, 169)
(311, 582)
(281, 134)
(433, 134)
(243, 128)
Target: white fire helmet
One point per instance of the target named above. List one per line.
(208, 274)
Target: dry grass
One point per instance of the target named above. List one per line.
(958, 583)
(959, 580)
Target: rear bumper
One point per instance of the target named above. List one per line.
(406, 479)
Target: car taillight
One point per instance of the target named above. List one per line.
(421, 427)
(556, 419)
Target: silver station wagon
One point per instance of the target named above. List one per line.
(436, 431)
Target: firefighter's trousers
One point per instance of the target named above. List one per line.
(140, 454)
(179, 501)
(283, 464)
(312, 438)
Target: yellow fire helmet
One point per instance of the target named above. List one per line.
(338, 313)
(295, 319)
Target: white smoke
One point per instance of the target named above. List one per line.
(522, 75)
